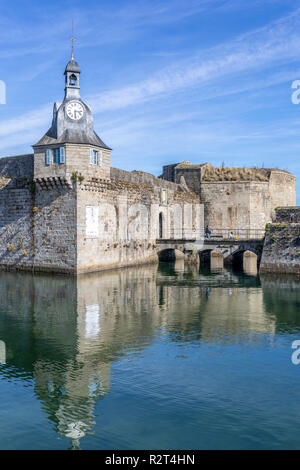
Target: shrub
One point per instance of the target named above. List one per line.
(77, 177)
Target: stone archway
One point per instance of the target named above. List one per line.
(245, 259)
(170, 255)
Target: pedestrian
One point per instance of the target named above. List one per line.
(207, 232)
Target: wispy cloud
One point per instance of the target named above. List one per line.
(37, 118)
(275, 44)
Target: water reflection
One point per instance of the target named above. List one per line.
(65, 333)
(2, 352)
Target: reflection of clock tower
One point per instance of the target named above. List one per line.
(71, 146)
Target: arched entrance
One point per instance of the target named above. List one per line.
(170, 254)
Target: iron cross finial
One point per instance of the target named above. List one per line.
(73, 40)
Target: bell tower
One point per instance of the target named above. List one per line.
(71, 146)
(72, 74)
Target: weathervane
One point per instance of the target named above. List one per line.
(73, 40)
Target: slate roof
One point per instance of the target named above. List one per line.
(72, 66)
(72, 137)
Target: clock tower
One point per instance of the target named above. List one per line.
(71, 145)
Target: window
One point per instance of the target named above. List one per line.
(55, 155)
(58, 156)
(62, 155)
(72, 80)
(93, 157)
(48, 157)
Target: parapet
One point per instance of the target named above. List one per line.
(288, 214)
(15, 167)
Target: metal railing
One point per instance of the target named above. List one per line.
(216, 234)
(235, 234)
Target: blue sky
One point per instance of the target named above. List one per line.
(168, 80)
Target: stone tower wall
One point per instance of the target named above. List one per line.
(231, 205)
(44, 222)
(38, 228)
(77, 160)
(281, 251)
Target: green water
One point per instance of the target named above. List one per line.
(147, 358)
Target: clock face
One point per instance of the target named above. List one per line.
(75, 110)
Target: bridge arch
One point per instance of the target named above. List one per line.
(241, 257)
(204, 257)
(170, 254)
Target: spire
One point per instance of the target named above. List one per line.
(73, 40)
(72, 73)
(72, 65)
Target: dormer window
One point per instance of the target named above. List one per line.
(72, 80)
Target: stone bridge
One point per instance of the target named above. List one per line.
(214, 251)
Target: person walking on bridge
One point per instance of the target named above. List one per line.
(207, 232)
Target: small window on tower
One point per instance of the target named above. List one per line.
(72, 80)
(93, 157)
(55, 155)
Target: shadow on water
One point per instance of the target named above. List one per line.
(64, 333)
(177, 273)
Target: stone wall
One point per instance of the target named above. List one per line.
(141, 177)
(231, 201)
(287, 214)
(15, 167)
(15, 228)
(226, 205)
(192, 177)
(128, 222)
(54, 218)
(44, 221)
(281, 252)
(77, 160)
(246, 204)
(38, 229)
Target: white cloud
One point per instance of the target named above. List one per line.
(26, 122)
(276, 43)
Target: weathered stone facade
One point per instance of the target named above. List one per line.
(64, 209)
(281, 252)
(44, 220)
(236, 198)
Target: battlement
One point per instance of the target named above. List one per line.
(288, 214)
(243, 198)
(16, 166)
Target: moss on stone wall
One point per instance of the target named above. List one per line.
(220, 173)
